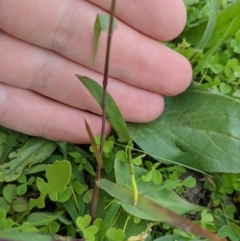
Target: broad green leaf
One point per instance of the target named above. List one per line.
(113, 114)
(155, 210)
(36, 150)
(166, 198)
(58, 175)
(224, 20)
(21, 236)
(101, 24)
(197, 129)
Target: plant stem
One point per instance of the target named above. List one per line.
(132, 175)
(105, 77)
(104, 108)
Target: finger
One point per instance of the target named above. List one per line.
(67, 28)
(33, 114)
(54, 76)
(159, 19)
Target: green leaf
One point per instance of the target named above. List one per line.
(78, 187)
(87, 197)
(37, 168)
(206, 217)
(108, 219)
(138, 160)
(36, 150)
(21, 236)
(83, 222)
(4, 205)
(155, 210)
(224, 20)
(197, 129)
(44, 218)
(71, 209)
(115, 234)
(64, 195)
(12, 138)
(22, 179)
(113, 114)
(189, 182)
(9, 192)
(20, 205)
(216, 68)
(152, 191)
(148, 177)
(3, 214)
(22, 189)
(58, 175)
(101, 24)
(210, 26)
(53, 227)
(202, 64)
(225, 88)
(227, 231)
(171, 238)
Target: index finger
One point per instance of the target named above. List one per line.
(159, 19)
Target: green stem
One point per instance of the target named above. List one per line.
(132, 176)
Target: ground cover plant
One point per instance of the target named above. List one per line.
(189, 162)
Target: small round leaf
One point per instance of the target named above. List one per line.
(20, 205)
(9, 192)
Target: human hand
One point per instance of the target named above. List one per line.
(44, 43)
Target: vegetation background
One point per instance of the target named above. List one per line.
(186, 161)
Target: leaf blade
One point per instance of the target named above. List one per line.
(163, 214)
(113, 114)
(202, 134)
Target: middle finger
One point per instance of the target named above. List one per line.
(52, 75)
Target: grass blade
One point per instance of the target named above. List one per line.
(210, 26)
(96, 151)
(163, 214)
(113, 114)
(209, 54)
